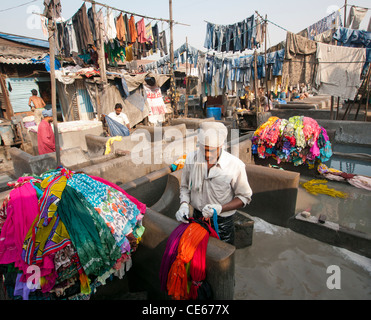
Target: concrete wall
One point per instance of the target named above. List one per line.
(70, 139)
(349, 132)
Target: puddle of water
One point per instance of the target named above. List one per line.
(352, 212)
(283, 265)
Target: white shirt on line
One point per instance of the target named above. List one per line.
(226, 180)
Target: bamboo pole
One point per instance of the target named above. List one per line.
(51, 29)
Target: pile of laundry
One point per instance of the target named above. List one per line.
(297, 140)
(183, 266)
(64, 233)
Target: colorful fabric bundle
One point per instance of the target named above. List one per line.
(356, 180)
(183, 266)
(76, 229)
(316, 186)
(298, 140)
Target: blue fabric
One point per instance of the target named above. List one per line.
(215, 220)
(353, 38)
(46, 61)
(116, 129)
(30, 41)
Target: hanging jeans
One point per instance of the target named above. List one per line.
(251, 31)
(209, 36)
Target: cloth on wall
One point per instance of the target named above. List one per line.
(300, 59)
(339, 70)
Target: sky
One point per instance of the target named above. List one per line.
(16, 16)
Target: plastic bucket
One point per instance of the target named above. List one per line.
(215, 112)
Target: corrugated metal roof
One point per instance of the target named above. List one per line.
(17, 61)
(29, 41)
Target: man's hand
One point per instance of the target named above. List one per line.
(208, 210)
(183, 213)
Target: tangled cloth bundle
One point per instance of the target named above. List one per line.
(320, 186)
(190, 252)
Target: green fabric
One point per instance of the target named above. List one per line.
(95, 245)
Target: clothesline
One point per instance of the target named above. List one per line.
(134, 14)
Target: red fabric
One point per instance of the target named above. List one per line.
(141, 30)
(45, 138)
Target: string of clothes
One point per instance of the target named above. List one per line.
(124, 38)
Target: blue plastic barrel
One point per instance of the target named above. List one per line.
(215, 112)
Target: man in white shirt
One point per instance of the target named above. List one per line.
(214, 182)
(119, 116)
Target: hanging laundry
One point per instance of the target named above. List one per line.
(356, 16)
(121, 28)
(353, 38)
(300, 59)
(141, 30)
(84, 36)
(163, 44)
(132, 29)
(339, 70)
(126, 21)
(111, 31)
(332, 21)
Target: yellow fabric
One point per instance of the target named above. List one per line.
(109, 144)
(320, 186)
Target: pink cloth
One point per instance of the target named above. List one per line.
(21, 212)
(141, 30)
(45, 138)
(141, 206)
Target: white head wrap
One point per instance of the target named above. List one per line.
(212, 134)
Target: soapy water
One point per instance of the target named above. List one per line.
(284, 265)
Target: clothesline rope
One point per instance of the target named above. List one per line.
(134, 14)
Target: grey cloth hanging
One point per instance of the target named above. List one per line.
(49, 6)
(356, 16)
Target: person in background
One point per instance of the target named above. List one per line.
(37, 105)
(294, 94)
(214, 182)
(119, 116)
(265, 102)
(45, 133)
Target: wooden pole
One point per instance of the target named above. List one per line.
(265, 55)
(186, 97)
(8, 105)
(337, 110)
(345, 13)
(366, 107)
(257, 100)
(332, 108)
(51, 29)
(100, 45)
(172, 79)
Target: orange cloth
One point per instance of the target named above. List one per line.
(132, 29)
(120, 28)
(177, 277)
